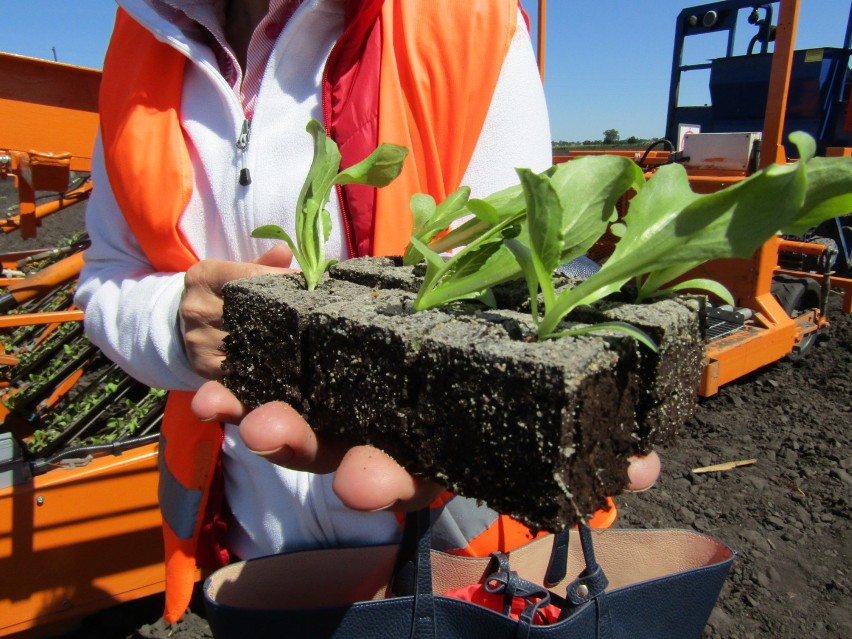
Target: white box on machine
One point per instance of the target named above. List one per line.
(726, 151)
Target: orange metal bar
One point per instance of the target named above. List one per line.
(838, 151)
(48, 278)
(48, 122)
(542, 35)
(73, 541)
(70, 198)
(779, 85)
(808, 248)
(729, 358)
(62, 389)
(25, 319)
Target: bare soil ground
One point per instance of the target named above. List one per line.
(787, 515)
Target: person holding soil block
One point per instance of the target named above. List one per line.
(202, 139)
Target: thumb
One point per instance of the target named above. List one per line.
(279, 256)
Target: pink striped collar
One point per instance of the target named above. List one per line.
(209, 15)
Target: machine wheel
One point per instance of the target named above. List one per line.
(797, 295)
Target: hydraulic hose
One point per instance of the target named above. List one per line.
(655, 143)
(54, 252)
(40, 466)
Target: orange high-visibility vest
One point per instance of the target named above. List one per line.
(428, 68)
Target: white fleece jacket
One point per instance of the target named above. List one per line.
(131, 309)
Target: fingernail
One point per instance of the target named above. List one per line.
(384, 508)
(639, 490)
(281, 455)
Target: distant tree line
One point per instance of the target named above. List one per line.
(611, 137)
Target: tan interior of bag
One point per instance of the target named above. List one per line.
(322, 578)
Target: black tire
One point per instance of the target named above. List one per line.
(797, 295)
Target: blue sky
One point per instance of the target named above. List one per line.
(608, 61)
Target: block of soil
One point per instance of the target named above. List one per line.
(670, 377)
(538, 430)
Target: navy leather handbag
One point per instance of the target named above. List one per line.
(613, 584)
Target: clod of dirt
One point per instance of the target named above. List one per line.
(461, 395)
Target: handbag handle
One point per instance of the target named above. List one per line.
(413, 575)
(423, 620)
(419, 522)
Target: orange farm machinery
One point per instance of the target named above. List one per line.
(79, 523)
(756, 99)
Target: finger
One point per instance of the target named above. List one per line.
(369, 479)
(204, 350)
(214, 402)
(212, 275)
(278, 433)
(279, 256)
(643, 471)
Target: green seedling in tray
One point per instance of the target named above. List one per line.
(528, 230)
(668, 230)
(313, 221)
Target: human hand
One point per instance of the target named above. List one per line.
(201, 304)
(365, 478)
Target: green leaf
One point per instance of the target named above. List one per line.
(508, 203)
(272, 232)
(484, 211)
(451, 209)
(446, 213)
(496, 265)
(671, 228)
(325, 219)
(423, 208)
(313, 221)
(380, 168)
(805, 144)
(698, 284)
(636, 333)
(828, 195)
(430, 220)
(432, 258)
(668, 225)
(544, 218)
(310, 233)
(589, 188)
(523, 255)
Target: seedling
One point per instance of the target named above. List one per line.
(552, 217)
(313, 221)
(668, 230)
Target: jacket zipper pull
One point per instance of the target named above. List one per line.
(242, 145)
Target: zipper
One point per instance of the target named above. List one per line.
(242, 145)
